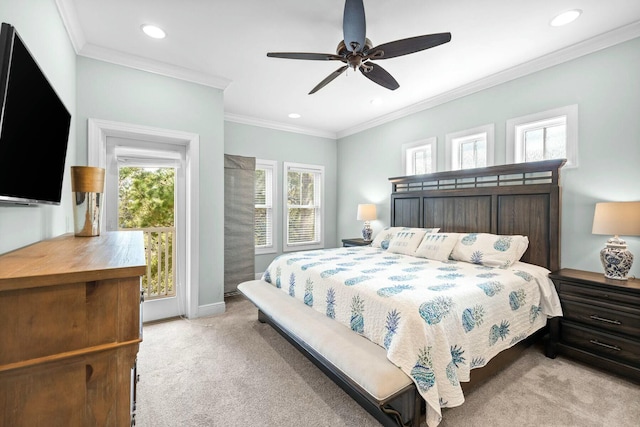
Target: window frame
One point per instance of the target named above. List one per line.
(319, 242)
(271, 165)
(516, 127)
(455, 139)
(408, 149)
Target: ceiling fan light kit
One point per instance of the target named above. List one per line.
(357, 51)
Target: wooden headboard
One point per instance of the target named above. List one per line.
(522, 198)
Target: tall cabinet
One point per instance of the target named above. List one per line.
(70, 327)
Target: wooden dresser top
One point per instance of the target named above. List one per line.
(70, 259)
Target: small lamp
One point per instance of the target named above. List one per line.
(366, 213)
(617, 218)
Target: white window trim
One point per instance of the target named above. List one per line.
(301, 247)
(273, 165)
(515, 154)
(408, 149)
(452, 148)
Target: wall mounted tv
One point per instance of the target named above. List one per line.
(34, 127)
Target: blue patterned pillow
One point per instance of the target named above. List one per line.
(490, 249)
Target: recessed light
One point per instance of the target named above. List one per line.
(565, 18)
(375, 101)
(294, 116)
(153, 31)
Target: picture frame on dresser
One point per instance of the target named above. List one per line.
(600, 324)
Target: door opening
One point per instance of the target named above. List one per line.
(146, 191)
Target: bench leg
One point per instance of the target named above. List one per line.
(261, 317)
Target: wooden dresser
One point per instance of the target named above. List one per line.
(600, 323)
(70, 328)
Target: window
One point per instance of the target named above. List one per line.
(542, 136)
(265, 191)
(471, 148)
(303, 205)
(419, 157)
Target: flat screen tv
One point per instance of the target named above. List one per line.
(34, 127)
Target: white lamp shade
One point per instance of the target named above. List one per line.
(617, 218)
(366, 212)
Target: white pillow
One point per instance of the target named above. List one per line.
(490, 249)
(437, 246)
(406, 241)
(384, 238)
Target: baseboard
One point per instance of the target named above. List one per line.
(211, 309)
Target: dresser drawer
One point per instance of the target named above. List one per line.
(597, 294)
(619, 320)
(611, 346)
(38, 322)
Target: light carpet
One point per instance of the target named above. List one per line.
(231, 370)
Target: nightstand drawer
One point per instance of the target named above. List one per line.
(612, 346)
(619, 320)
(598, 294)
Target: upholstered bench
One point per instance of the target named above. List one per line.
(358, 365)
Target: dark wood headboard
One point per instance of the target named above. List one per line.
(522, 198)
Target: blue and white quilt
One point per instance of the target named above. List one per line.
(437, 320)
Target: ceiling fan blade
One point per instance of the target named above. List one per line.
(411, 45)
(354, 26)
(329, 78)
(304, 55)
(379, 75)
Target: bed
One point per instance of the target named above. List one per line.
(404, 329)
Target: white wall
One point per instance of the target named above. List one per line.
(606, 87)
(270, 144)
(112, 92)
(41, 28)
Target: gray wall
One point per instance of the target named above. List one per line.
(44, 34)
(112, 92)
(606, 87)
(270, 144)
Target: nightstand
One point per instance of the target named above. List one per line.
(600, 323)
(355, 242)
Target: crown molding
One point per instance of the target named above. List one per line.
(152, 66)
(70, 20)
(252, 121)
(577, 50)
(71, 23)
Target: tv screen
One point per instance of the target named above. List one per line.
(34, 127)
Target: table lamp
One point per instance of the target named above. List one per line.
(617, 218)
(366, 213)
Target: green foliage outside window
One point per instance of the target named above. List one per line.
(146, 199)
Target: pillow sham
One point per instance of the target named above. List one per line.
(406, 241)
(492, 250)
(437, 246)
(384, 238)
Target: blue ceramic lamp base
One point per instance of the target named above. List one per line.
(616, 259)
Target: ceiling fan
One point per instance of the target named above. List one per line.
(356, 51)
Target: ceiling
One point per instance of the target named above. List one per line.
(223, 43)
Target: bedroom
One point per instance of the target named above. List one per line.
(604, 84)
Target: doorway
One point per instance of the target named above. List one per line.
(146, 192)
(166, 162)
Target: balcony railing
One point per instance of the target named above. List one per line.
(160, 278)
